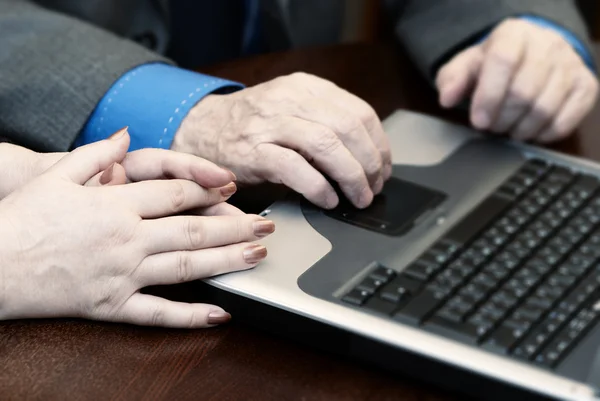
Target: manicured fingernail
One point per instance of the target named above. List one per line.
(231, 174)
(262, 228)
(228, 189)
(218, 317)
(254, 254)
(481, 120)
(118, 135)
(107, 175)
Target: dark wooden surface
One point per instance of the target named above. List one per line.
(71, 359)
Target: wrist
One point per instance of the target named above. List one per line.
(18, 165)
(200, 128)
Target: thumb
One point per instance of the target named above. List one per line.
(457, 78)
(85, 162)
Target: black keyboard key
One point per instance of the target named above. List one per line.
(567, 337)
(524, 180)
(380, 305)
(535, 168)
(503, 338)
(447, 247)
(356, 297)
(559, 174)
(478, 219)
(450, 314)
(504, 300)
(534, 342)
(394, 293)
(585, 186)
(421, 270)
(463, 331)
(528, 313)
(473, 294)
(496, 270)
(512, 189)
(419, 307)
(383, 273)
(402, 281)
(370, 285)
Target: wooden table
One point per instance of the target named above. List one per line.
(70, 359)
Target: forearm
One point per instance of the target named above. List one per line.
(54, 71)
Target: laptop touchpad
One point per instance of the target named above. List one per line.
(394, 211)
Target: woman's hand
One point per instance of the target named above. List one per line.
(19, 165)
(71, 250)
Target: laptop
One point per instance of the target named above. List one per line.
(476, 270)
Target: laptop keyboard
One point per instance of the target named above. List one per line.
(519, 275)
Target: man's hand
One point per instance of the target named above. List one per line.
(524, 79)
(293, 130)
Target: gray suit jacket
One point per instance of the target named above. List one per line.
(59, 57)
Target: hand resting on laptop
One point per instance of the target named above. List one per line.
(71, 250)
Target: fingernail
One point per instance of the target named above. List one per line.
(231, 174)
(107, 175)
(218, 317)
(228, 189)
(365, 198)
(262, 228)
(254, 254)
(117, 135)
(331, 201)
(378, 186)
(481, 120)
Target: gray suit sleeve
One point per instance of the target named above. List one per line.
(53, 71)
(434, 30)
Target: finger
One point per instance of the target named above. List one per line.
(85, 162)
(355, 106)
(457, 79)
(151, 199)
(180, 233)
(113, 175)
(578, 104)
(503, 58)
(154, 164)
(220, 209)
(546, 106)
(149, 310)
(284, 166)
(185, 266)
(525, 88)
(319, 144)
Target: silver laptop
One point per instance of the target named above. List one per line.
(477, 269)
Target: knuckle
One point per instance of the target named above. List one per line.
(184, 267)
(326, 142)
(523, 94)
(504, 58)
(349, 125)
(177, 195)
(194, 232)
(374, 166)
(317, 190)
(157, 315)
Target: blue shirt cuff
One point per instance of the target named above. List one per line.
(571, 38)
(152, 100)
